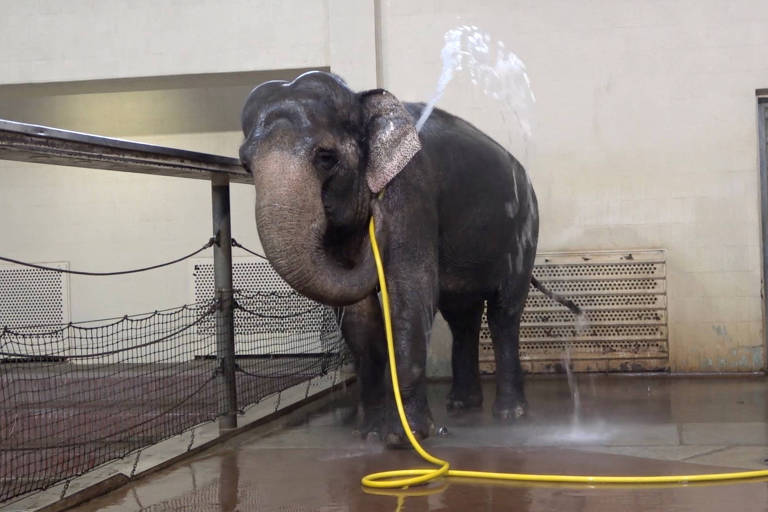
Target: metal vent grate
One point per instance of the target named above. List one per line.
(624, 298)
(247, 274)
(33, 297)
(284, 310)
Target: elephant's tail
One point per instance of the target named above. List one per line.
(581, 319)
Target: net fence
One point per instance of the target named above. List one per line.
(281, 339)
(75, 396)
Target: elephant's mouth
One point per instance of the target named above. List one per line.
(344, 244)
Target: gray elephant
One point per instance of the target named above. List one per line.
(456, 218)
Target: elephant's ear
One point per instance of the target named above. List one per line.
(392, 137)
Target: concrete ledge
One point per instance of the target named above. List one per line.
(145, 461)
(87, 493)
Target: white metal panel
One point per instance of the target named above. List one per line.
(622, 294)
(34, 297)
(284, 312)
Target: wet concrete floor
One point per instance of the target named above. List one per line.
(311, 460)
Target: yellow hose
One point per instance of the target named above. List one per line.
(403, 478)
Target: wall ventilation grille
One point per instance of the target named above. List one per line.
(285, 311)
(32, 297)
(622, 294)
(624, 298)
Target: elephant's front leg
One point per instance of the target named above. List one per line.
(412, 301)
(407, 217)
(363, 330)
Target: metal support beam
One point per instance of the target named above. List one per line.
(43, 145)
(762, 136)
(222, 276)
(378, 43)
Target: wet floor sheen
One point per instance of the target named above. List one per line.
(312, 461)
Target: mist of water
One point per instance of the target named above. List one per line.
(593, 430)
(573, 385)
(499, 73)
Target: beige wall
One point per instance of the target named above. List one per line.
(644, 137)
(79, 65)
(50, 40)
(53, 41)
(644, 134)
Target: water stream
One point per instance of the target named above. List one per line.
(574, 386)
(500, 73)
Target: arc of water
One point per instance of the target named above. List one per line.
(501, 74)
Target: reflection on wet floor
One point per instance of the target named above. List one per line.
(312, 460)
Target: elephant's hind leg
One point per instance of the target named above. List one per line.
(504, 314)
(464, 321)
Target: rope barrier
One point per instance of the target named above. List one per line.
(235, 243)
(314, 307)
(210, 243)
(89, 355)
(299, 372)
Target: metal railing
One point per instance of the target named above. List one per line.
(44, 145)
(115, 352)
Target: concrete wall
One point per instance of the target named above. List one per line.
(644, 134)
(172, 73)
(644, 137)
(50, 41)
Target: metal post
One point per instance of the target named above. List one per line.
(222, 275)
(378, 45)
(762, 136)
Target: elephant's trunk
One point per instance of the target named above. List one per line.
(292, 225)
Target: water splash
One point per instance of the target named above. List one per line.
(593, 431)
(582, 323)
(500, 73)
(574, 387)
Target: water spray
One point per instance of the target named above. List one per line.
(499, 73)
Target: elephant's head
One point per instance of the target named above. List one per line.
(319, 153)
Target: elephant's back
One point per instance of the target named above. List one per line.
(467, 159)
(487, 208)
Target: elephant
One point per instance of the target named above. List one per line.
(456, 218)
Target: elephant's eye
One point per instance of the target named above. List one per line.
(326, 159)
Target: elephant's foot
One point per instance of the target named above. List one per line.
(510, 409)
(421, 424)
(372, 422)
(458, 403)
